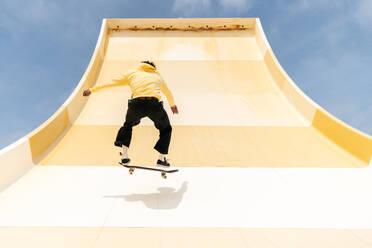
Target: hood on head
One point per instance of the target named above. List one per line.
(146, 67)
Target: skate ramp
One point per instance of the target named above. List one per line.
(237, 105)
(238, 109)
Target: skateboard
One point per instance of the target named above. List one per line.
(163, 171)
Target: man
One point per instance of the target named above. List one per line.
(146, 84)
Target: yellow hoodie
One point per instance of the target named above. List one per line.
(143, 81)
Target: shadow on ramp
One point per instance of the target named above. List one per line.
(166, 198)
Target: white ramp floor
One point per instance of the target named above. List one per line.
(57, 196)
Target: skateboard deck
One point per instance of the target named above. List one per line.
(162, 171)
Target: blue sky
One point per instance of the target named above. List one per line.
(45, 46)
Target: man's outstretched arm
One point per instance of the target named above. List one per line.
(121, 81)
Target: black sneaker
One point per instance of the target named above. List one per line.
(164, 163)
(125, 161)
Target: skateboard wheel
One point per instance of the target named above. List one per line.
(164, 175)
(131, 171)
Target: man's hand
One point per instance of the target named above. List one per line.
(174, 109)
(87, 92)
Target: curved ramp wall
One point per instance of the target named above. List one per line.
(220, 39)
(19, 157)
(349, 139)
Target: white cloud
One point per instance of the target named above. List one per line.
(357, 11)
(190, 7)
(237, 5)
(307, 5)
(197, 7)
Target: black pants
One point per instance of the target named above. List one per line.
(146, 107)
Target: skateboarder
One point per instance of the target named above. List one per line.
(146, 84)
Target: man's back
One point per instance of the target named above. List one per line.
(144, 81)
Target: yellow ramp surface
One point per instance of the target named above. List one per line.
(237, 105)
